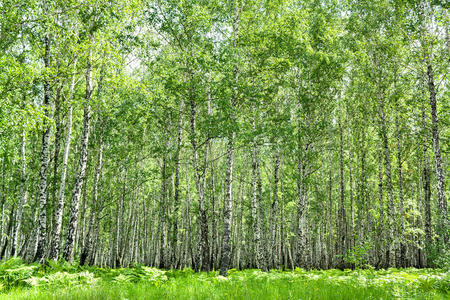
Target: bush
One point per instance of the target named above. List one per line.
(13, 272)
(141, 274)
(63, 279)
(358, 255)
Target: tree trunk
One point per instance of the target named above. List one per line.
(9, 229)
(42, 226)
(3, 200)
(228, 202)
(256, 203)
(426, 188)
(56, 244)
(117, 254)
(227, 213)
(283, 248)
(56, 151)
(301, 260)
(390, 249)
(76, 193)
(330, 247)
(177, 187)
(200, 174)
(363, 210)
(23, 198)
(258, 217)
(351, 228)
(87, 249)
(381, 230)
(275, 212)
(342, 230)
(440, 172)
(402, 256)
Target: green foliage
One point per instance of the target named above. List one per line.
(140, 274)
(13, 273)
(276, 84)
(31, 282)
(63, 279)
(439, 256)
(358, 255)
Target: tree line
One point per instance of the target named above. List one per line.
(225, 134)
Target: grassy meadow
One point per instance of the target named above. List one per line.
(62, 281)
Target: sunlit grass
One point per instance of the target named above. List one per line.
(66, 282)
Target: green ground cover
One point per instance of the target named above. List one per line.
(61, 281)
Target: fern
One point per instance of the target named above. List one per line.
(13, 272)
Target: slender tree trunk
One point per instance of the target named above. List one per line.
(9, 229)
(23, 198)
(188, 238)
(113, 239)
(56, 151)
(256, 202)
(177, 186)
(162, 215)
(342, 230)
(215, 216)
(117, 262)
(351, 230)
(426, 187)
(56, 244)
(363, 227)
(227, 213)
(76, 193)
(3, 199)
(228, 202)
(402, 262)
(42, 226)
(351, 235)
(283, 248)
(80, 238)
(440, 172)
(88, 247)
(390, 249)
(381, 230)
(146, 231)
(204, 220)
(301, 260)
(257, 215)
(275, 213)
(237, 228)
(330, 212)
(203, 255)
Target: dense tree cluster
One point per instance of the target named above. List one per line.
(225, 134)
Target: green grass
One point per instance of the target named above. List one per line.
(19, 281)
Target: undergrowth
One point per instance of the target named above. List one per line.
(63, 281)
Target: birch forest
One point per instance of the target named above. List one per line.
(225, 134)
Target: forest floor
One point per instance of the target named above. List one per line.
(56, 281)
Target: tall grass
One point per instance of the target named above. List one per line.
(66, 282)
